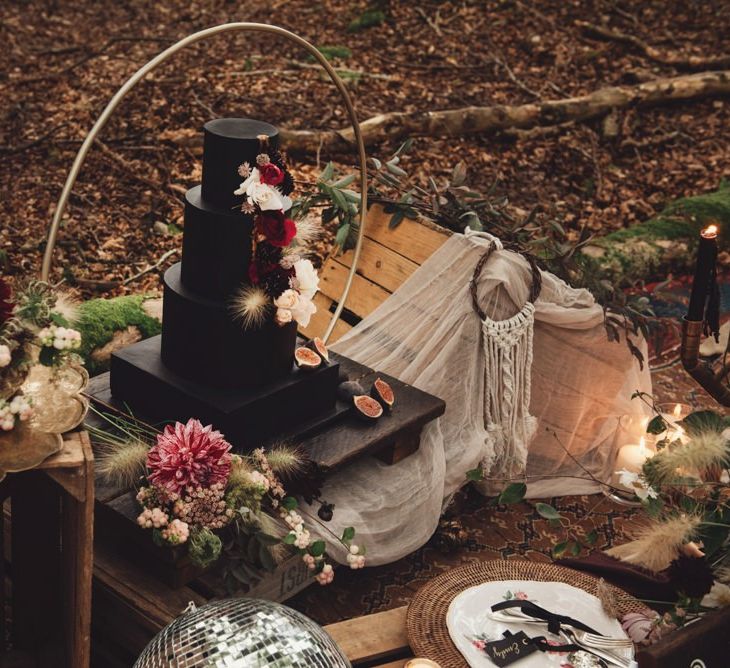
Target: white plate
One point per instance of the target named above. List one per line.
(468, 618)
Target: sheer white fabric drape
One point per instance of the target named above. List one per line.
(427, 334)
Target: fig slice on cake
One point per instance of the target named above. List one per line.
(306, 359)
(318, 346)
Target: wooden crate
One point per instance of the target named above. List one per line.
(130, 607)
(47, 535)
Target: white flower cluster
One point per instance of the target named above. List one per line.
(17, 408)
(268, 198)
(296, 302)
(296, 524)
(355, 559)
(61, 338)
(636, 483)
(5, 356)
(151, 518)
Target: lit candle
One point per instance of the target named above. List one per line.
(705, 274)
(672, 418)
(421, 663)
(631, 457)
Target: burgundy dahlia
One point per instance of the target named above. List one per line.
(189, 455)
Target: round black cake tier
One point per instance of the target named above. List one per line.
(227, 143)
(216, 247)
(202, 342)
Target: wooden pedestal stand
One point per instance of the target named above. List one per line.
(50, 551)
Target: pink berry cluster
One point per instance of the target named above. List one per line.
(153, 518)
(18, 408)
(203, 507)
(326, 575)
(176, 532)
(355, 559)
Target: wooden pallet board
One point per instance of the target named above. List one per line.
(388, 258)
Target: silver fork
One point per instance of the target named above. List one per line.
(601, 652)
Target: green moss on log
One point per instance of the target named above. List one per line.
(99, 319)
(665, 243)
(684, 218)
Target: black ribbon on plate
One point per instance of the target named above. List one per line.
(554, 621)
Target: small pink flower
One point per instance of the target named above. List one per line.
(479, 644)
(521, 596)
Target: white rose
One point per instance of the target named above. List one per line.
(283, 316)
(4, 356)
(287, 299)
(253, 177)
(307, 279)
(303, 310)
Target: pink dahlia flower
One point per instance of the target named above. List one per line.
(189, 455)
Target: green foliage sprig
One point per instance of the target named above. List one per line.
(455, 205)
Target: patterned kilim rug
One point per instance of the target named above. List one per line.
(515, 531)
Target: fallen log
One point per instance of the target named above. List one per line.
(395, 126)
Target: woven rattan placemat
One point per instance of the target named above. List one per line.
(426, 619)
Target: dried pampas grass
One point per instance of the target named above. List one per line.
(122, 463)
(705, 450)
(67, 306)
(309, 230)
(607, 596)
(250, 306)
(657, 544)
(285, 460)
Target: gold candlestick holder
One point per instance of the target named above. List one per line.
(713, 382)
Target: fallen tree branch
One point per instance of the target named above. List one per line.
(672, 59)
(396, 126)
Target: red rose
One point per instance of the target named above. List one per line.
(271, 174)
(277, 228)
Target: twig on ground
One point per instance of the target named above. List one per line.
(152, 267)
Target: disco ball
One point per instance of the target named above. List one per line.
(242, 633)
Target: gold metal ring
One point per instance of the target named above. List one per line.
(161, 58)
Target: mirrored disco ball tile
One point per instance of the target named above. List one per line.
(242, 633)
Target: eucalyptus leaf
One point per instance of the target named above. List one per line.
(547, 511)
(342, 235)
(513, 493)
(344, 181)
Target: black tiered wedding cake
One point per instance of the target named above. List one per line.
(230, 308)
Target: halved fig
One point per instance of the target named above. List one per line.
(367, 407)
(306, 359)
(383, 393)
(318, 346)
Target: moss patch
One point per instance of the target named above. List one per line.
(683, 219)
(100, 318)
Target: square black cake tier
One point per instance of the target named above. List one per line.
(302, 401)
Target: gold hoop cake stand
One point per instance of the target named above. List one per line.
(150, 66)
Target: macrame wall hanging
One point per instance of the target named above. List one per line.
(507, 346)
